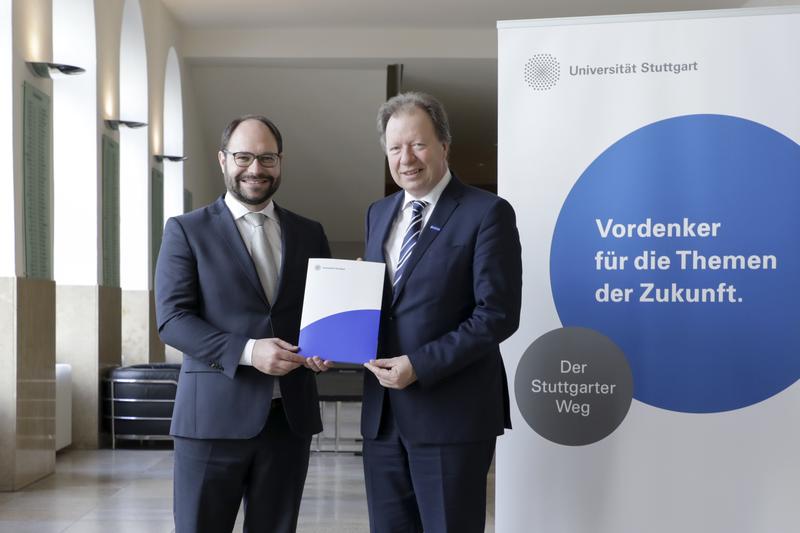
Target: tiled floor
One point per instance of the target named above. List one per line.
(130, 490)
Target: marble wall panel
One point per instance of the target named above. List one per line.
(35, 381)
(8, 381)
(140, 342)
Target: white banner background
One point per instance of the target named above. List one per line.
(660, 471)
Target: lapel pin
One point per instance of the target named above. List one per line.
(436, 228)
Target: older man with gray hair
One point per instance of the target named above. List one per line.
(437, 397)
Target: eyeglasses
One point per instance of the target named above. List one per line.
(245, 159)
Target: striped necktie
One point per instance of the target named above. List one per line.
(410, 238)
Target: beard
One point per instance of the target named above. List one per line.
(234, 186)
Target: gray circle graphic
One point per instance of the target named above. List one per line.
(573, 386)
(542, 72)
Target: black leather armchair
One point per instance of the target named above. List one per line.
(138, 401)
(345, 383)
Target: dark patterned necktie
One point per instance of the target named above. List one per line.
(410, 238)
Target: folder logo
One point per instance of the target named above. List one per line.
(342, 310)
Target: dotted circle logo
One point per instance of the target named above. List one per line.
(542, 72)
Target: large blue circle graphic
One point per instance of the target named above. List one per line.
(718, 328)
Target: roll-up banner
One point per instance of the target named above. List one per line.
(654, 165)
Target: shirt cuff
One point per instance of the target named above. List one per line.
(247, 354)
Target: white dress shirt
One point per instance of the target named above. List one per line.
(272, 229)
(391, 248)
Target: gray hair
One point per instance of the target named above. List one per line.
(405, 102)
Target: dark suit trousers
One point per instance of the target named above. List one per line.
(435, 488)
(212, 476)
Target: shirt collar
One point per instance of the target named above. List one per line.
(238, 209)
(433, 196)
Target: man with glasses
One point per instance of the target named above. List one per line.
(230, 280)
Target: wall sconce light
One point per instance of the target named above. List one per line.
(114, 123)
(43, 69)
(171, 158)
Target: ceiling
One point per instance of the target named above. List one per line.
(409, 13)
(466, 85)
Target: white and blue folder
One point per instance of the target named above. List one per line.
(342, 310)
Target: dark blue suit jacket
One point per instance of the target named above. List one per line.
(209, 302)
(458, 299)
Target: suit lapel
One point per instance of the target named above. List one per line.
(379, 234)
(288, 247)
(445, 206)
(229, 234)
